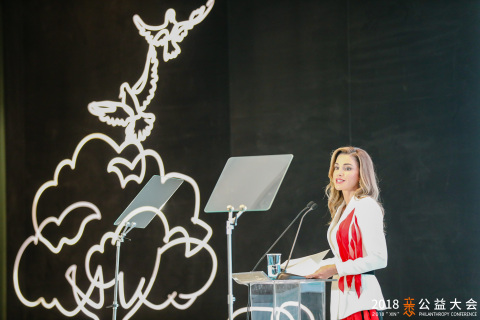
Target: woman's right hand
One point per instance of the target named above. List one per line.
(324, 272)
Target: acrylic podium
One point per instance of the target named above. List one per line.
(302, 299)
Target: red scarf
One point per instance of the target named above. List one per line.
(350, 249)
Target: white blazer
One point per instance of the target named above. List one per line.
(370, 222)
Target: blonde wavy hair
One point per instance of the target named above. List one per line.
(368, 182)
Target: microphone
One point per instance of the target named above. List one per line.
(310, 206)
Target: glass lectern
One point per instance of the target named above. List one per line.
(302, 299)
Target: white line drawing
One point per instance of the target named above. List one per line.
(108, 112)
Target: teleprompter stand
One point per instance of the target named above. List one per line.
(139, 213)
(246, 183)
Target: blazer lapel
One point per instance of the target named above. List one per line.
(336, 220)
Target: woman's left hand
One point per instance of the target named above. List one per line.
(324, 272)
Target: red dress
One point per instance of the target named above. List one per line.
(349, 239)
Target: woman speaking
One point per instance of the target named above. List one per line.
(356, 236)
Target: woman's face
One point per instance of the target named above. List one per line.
(346, 173)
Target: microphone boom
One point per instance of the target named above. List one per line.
(310, 206)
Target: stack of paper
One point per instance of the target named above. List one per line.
(305, 265)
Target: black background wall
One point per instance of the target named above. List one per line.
(397, 78)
